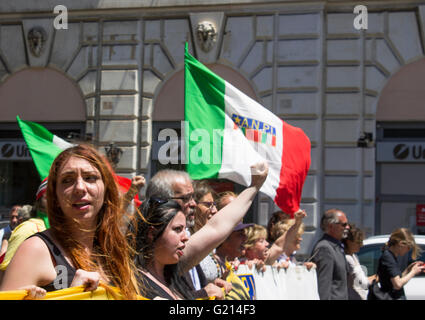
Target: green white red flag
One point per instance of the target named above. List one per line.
(44, 147)
(226, 132)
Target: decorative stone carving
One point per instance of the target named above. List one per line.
(36, 40)
(113, 153)
(207, 35)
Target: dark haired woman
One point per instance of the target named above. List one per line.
(164, 250)
(358, 282)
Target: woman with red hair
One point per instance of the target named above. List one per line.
(84, 244)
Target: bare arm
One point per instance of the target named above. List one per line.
(4, 245)
(413, 270)
(279, 246)
(137, 183)
(222, 223)
(30, 266)
(276, 249)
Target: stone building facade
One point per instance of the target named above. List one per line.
(122, 62)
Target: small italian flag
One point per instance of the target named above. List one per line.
(44, 147)
(226, 132)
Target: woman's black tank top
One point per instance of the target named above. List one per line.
(64, 271)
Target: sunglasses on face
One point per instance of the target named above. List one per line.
(186, 198)
(208, 204)
(345, 224)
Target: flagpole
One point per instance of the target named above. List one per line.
(184, 126)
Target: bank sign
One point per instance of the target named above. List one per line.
(400, 151)
(14, 150)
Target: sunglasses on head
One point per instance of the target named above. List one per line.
(156, 201)
(152, 204)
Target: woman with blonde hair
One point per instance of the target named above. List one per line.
(84, 244)
(288, 237)
(293, 229)
(391, 278)
(256, 245)
(224, 198)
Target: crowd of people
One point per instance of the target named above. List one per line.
(339, 274)
(184, 241)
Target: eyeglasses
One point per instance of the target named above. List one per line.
(345, 224)
(186, 198)
(208, 204)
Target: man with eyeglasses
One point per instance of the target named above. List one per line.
(328, 255)
(177, 185)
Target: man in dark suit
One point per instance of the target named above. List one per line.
(328, 254)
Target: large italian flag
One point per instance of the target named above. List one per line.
(226, 132)
(44, 147)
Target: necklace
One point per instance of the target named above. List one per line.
(218, 264)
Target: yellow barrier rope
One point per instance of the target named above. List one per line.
(103, 292)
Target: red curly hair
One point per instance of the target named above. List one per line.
(111, 249)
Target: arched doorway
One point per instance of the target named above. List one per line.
(41, 95)
(400, 152)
